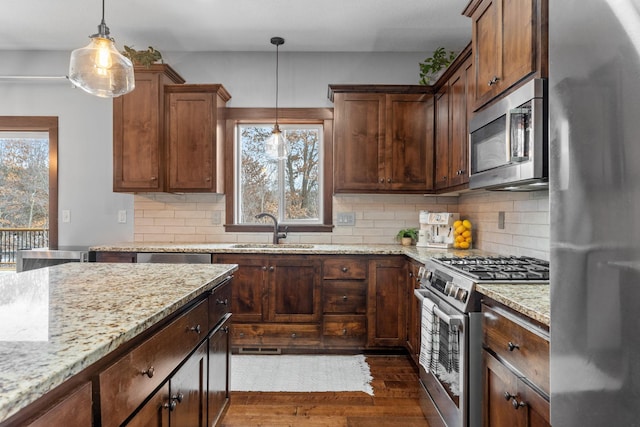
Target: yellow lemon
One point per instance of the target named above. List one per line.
(466, 233)
(468, 239)
(466, 223)
(464, 245)
(459, 239)
(460, 230)
(456, 245)
(457, 224)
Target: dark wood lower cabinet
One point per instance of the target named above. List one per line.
(218, 372)
(73, 411)
(155, 413)
(188, 388)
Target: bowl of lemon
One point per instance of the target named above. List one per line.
(462, 235)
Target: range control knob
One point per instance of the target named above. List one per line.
(428, 274)
(448, 288)
(462, 295)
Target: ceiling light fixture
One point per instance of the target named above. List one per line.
(99, 68)
(276, 146)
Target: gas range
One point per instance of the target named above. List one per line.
(453, 278)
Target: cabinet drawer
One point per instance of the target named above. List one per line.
(344, 326)
(256, 334)
(523, 349)
(344, 297)
(345, 268)
(74, 411)
(219, 303)
(126, 383)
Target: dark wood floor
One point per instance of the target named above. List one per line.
(395, 403)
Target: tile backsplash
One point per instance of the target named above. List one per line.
(200, 218)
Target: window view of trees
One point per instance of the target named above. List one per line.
(24, 181)
(288, 188)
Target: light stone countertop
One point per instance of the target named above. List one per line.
(418, 253)
(532, 300)
(57, 321)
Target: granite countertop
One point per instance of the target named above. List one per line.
(57, 321)
(420, 254)
(532, 300)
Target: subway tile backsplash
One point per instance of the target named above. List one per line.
(162, 217)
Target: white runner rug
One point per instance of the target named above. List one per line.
(300, 373)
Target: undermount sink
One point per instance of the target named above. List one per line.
(272, 246)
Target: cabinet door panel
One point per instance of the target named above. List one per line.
(498, 380)
(154, 413)
(218, 387)
(359, 141)
(487, 43)
(188, 387)
(442, 139)
(459, 132)
(294, 290)
(519, 44)
(407, 142)
(249, 291)
(191, 141)
(73, 411)
(386, 303)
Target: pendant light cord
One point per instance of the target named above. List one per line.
(277, 41)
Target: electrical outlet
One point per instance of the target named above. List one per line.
(66, 216)
(346, 218)
(122, 217)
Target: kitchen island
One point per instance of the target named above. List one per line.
(64, 326)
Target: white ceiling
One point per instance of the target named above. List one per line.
(239, 25)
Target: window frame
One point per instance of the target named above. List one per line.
(234, 116)
(48, 124)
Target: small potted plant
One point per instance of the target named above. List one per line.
(407, 236)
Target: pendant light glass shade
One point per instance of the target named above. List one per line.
(276, 145)
(99, 68)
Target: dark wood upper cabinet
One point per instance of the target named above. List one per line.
(138, 131)
(194, 134)
(382, 141)
(510, 40)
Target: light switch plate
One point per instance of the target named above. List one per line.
(122, 217)
(66, 216)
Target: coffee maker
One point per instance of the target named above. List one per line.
(436, 229)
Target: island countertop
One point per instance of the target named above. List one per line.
(532, 300)
(57, 321)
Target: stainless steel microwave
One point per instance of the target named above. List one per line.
(508, 141)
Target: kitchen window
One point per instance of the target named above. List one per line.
(296, 189)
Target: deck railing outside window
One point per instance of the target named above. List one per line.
(14, 239)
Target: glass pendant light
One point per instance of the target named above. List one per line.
(99, 68)
(276, 145)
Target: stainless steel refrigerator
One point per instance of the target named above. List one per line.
(594, 149)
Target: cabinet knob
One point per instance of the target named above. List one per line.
(511, 346)
(271, 268)
(225, 329)
(154, 178)
(170, 405)
(444, 178)
(517, 405)
(208, 179)
(178, 397)
(264, 268)
(344, 297)
(222, 302)
(494, 80)
(344, 331)
(293, 335)
(148, 372)
(241, 334)
(195, 329)
(381, 180)
(389, 180)
(508, 396)
(345, 269)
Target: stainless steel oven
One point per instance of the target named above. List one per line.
(508, 141)
(451, 336)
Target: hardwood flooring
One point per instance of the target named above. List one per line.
(395, 403)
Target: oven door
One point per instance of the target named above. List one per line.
(443, 357)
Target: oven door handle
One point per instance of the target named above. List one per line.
(451, 320)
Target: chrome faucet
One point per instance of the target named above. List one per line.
(276, 228)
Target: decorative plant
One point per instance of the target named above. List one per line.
(143, 57)
(407, 232)
(431, 66)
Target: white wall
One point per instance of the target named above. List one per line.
(85, 122)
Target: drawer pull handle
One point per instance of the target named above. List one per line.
(222, 302)
(148, 372)
(195, 329)
(511, 346)
(179, 397)
(170, 405)
(345, 269)
(494, 80)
